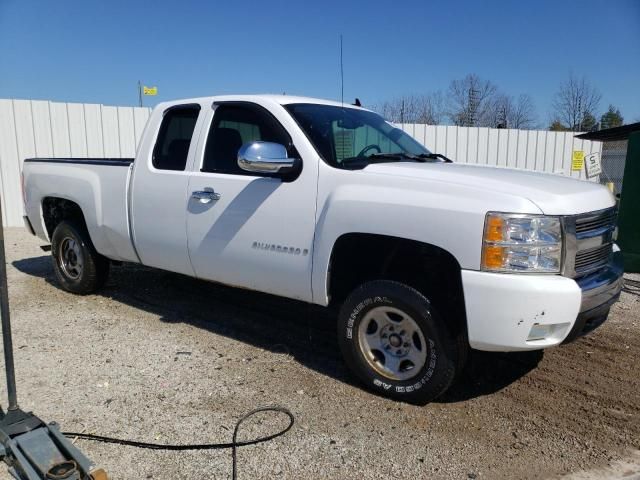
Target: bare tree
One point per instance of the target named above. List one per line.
(470, 101)
(507, 112)
(427, 109)
(576, 101)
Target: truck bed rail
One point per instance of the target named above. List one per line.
(116, 162)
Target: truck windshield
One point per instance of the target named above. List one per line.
(351, 138)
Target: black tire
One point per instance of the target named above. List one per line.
(441, 349)
(93, 268)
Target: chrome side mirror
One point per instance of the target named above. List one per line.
(265, 157)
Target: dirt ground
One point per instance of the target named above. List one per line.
(164, 358)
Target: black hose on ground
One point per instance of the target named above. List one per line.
(233, 445)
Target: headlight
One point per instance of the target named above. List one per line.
(521, 243)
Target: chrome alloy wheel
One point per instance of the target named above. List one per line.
(392, 343)
(70, 258)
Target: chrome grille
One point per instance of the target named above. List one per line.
(592, 258)
(587, 223)
(589, 241)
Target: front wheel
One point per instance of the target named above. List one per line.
(78, 266)
(395, 342)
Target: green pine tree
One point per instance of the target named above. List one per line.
(557, 126)
(612, 118)
(589, 123)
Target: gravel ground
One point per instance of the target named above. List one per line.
(164, 358)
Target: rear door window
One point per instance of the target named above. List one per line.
(174, 138)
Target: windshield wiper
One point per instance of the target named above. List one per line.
(361, 162)
(435, 156)
(395, 156)
(378, 157)
(421, 157)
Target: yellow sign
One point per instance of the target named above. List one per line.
(150, 90)
(577, 161)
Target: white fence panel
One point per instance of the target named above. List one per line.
(521, 148)
(492, 148)
(472, 145)
(532, 149)
(482, 154)
(503, 138)
(558, 148)
(547, 159)
(37, 128)
(77, 129)
(140, 117)
(538, 150)
(110, 132)
(9, 170)
(462, 142)
(441, 138)
(450, 145)
(512, 147)
(41, 118)
(429, 135)
(127, 133)
(93, 130)
(25, 135)
(60, 130)
(567, 152)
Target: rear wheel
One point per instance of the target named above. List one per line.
(78, 266)
(395, 342)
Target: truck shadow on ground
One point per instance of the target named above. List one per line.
(306, 332)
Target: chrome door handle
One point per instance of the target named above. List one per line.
(205, 196)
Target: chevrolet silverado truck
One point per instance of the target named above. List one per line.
(330, 204)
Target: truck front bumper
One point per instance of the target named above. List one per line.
(600, 290)
(510, 312)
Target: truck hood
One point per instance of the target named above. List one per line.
(553, 194)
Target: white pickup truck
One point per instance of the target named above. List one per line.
(330, 204)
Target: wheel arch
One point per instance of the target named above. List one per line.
(58, 209)
(435, 272)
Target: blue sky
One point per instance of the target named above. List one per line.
(95, 51)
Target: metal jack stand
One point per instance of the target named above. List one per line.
(32, 449)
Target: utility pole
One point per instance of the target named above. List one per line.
(341, 74)
(473, 107)
(140, 92)
(502, 121)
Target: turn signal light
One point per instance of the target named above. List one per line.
(493, 257)
(494, 229)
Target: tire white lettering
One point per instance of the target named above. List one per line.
(379, 383)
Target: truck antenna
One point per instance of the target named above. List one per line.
(341, 74)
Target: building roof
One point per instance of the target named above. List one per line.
(611, 134)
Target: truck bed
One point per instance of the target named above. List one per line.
(99, 186)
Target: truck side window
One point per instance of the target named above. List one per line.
(174, 138)
(234, 125)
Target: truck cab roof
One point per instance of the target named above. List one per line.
(259, 98)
